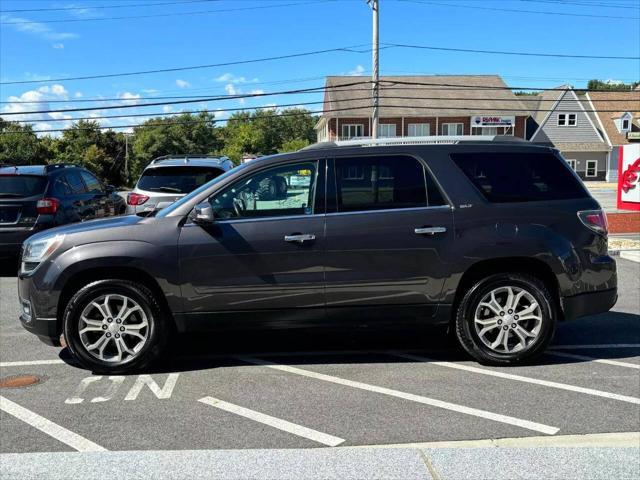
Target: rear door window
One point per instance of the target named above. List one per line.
(92, 183)
(176, 179)
(385, 182)
(19, 186)
(61, 186)
(75, 183)
(520, 177)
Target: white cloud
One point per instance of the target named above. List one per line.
(611, 81)
(359, 70)
(130, 98)
(38, 99)
(58, 46)
(38, 29)
(78, 95)
(257, 91)
(182, 83)
(231, 89)
(230, 78)
(167, 108)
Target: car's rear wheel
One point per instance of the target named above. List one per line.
(506, 318)
(115, 326)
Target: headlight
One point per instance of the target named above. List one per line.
(37, 251)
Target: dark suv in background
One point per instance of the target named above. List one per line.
(495, 240)
(34, 198)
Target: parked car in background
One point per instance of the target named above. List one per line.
(496, 240)
(34, 198)
(169, 178)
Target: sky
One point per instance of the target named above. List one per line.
(81, 38)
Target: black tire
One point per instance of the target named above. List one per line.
(158, 330)
(465, 326)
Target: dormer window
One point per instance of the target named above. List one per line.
(567, 119)
(625, 123)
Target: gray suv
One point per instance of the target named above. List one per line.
(496, 241)
(169, 178)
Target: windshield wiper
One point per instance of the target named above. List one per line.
(166, 189)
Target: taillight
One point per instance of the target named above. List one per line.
(596, 220)
(47, 206)
(136, 199)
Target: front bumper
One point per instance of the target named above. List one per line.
(590, 303)
(38, 311)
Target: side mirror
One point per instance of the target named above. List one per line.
(203, 214)
(109, 189)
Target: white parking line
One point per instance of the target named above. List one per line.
(52, 429)
(274, 422)
(595, 345)
(520, 378)
(28, 363)
(593, 359)
(537, 427)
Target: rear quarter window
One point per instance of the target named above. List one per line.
(519, 177)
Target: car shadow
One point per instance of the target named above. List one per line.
(357, 345)
(9, 267)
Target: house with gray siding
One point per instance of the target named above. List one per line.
(561, 120)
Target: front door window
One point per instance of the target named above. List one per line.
(275, 192)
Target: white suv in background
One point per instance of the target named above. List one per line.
(169, 178)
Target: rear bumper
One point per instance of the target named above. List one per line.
(589, 303)
(11, 240)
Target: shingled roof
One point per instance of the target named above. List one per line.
(606, 102)
(441, 95)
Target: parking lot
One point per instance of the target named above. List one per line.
(326, 389)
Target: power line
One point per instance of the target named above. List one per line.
(350, 49)
(292, 114)
(514, 10)
(385, 84)
(583, 4)
(96, 7)
(272, 107)
(174, 14)
(499, 52)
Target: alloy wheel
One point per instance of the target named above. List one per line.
(508, 319)
(113, 328)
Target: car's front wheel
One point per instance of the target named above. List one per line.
(506, 318)
(115, 326)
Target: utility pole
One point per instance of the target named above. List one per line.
(375, 74)
(126, 158)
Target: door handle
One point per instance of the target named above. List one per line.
(429, 230)
(300, 237)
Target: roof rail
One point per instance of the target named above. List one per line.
(55, 166)
(186, 157)
(425, 140)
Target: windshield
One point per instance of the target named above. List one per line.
(187, 198)
(17, 186)
(176, 179)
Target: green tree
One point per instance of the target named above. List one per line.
(293, 145)
(609, 86)
(20, 146)
(185, 134)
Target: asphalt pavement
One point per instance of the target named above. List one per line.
(355, 403)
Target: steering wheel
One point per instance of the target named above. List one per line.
(239, 206)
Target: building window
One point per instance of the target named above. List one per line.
(351, 130)
(452, 129)
(592, 168)
(418, 130)
(386, 130)
(626, 124)
(567, 119)
(572, 164)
